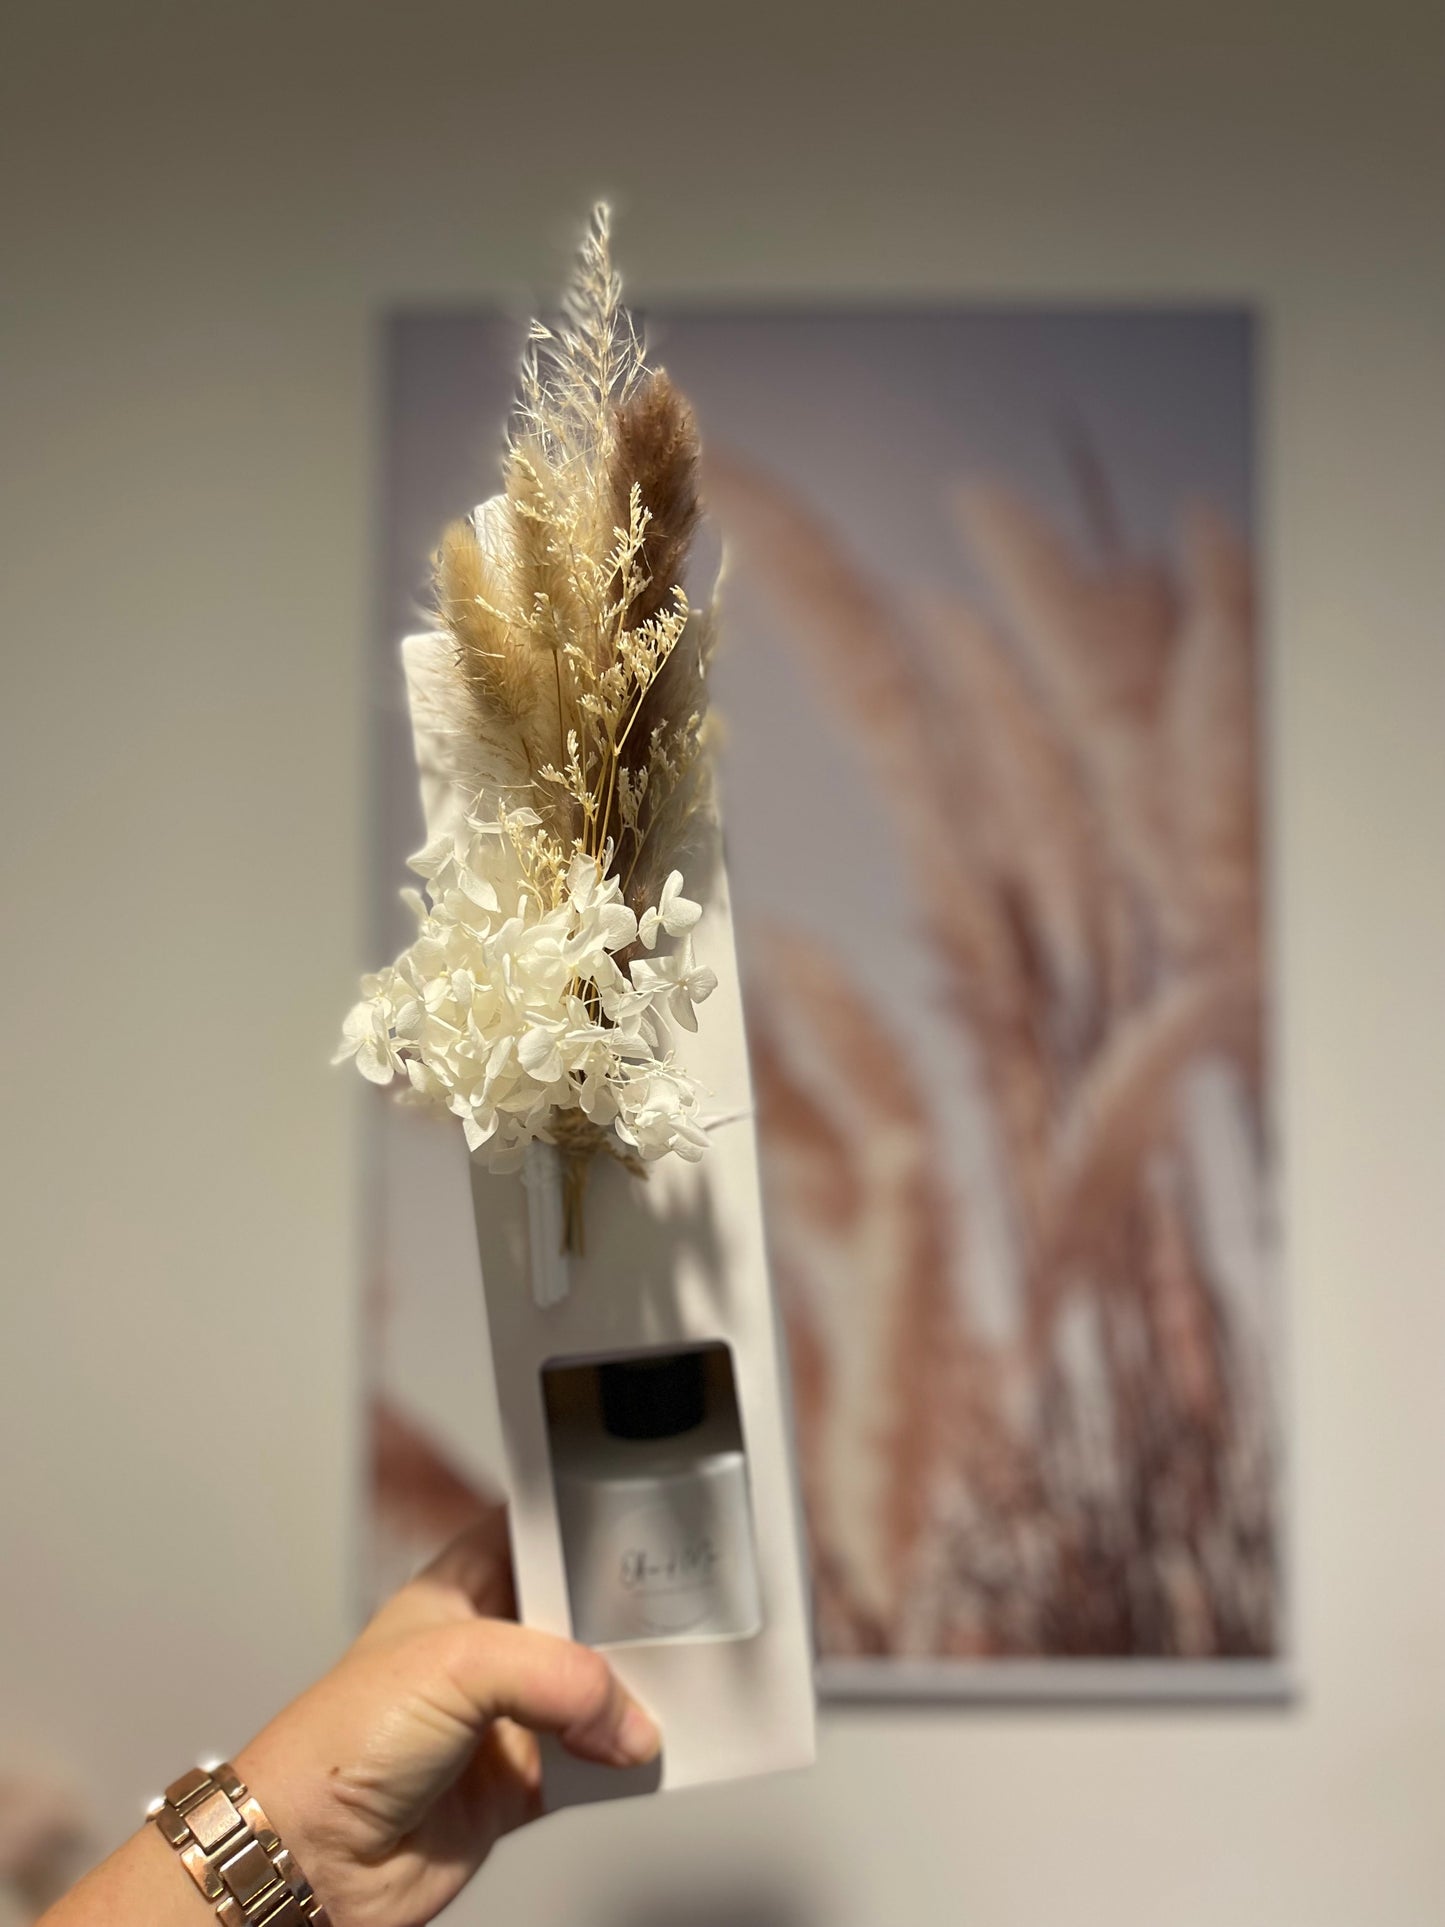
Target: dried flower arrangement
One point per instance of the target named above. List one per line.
(553, 958)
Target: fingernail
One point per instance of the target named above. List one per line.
(638, 1739)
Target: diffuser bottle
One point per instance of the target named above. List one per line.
(652, 1499)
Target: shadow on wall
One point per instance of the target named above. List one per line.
(44, 1846)
(719, 1905)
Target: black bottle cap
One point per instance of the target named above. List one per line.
(653, 1398)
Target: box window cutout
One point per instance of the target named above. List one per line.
(652, 1497)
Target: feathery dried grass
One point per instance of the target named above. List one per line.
(581, 664)
(1123, 1108)
(1208, 747)
(887, 1338)
(1074, 784)
(867, 670)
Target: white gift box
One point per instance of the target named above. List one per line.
(673, 1263)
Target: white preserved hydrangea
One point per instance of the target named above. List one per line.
(511, 1010)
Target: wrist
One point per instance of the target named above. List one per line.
(229, 1846)
(141, 1881)
(297, 1793)
(288, 1796)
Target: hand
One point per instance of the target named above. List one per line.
(392, 1778)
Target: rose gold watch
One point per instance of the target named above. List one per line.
(233, 1853)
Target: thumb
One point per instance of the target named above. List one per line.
(492, 1668)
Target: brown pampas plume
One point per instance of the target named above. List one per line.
(656, 451)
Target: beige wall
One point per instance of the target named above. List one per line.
(205, 210)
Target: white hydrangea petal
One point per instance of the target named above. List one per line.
(355, 1029)
(538, 1054)
(701, 983)
(376, 1062)
(679, 1008)
(481, 891)
(432, 855)
(423, 1080)
(689, 1142)
(651, 975)
(582, 881)
(616, 926)
(678, 913)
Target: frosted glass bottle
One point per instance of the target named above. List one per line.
(652, 1500)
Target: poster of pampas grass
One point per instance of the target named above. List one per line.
(992, 784)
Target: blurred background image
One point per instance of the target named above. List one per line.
(991, 790)
(1070, 379)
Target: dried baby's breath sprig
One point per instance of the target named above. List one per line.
(578, 746)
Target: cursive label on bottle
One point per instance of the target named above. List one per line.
(687, 1562)
(669, 1575)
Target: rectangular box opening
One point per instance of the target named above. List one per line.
(653, 1503)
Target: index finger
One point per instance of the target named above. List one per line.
(472, 1575)
(477, 1565)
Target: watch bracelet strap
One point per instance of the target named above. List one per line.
(233, 1853)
